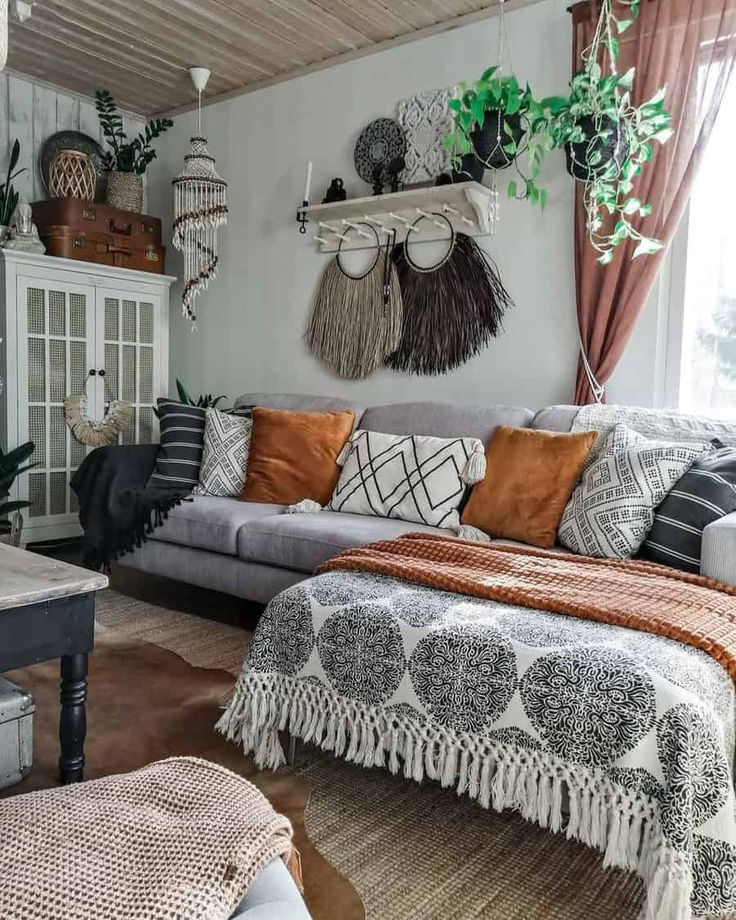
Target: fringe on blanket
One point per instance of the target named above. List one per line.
(622, 825)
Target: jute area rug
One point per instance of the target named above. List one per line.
(412, 852)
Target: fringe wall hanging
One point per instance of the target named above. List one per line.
(356, 321)
(200, 208)
(451, 310)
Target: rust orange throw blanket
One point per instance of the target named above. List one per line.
(690, 608)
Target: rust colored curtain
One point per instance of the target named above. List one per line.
(689, 45)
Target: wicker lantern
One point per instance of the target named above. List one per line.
(200, 208)
(72, 175)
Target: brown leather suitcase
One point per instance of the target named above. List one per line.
(86, 217)
(102, 248)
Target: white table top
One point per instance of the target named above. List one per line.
(27, 578)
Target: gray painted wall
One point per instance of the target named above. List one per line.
(253, 316)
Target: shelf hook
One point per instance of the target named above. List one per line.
(410, 227)
(373, 220)
(360, 231)
(437, 223)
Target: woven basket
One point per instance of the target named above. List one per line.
(125, 190)
(72, 175)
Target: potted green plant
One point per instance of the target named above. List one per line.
(11, 466)
(127, 160)
(496, 120)
(8, 194)
(607, 140)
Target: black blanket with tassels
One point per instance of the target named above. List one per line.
(118, 507)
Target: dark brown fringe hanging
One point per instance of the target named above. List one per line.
(450, 312)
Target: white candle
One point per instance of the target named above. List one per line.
(308, 182)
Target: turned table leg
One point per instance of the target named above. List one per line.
(73, 717)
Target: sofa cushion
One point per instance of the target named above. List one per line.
(210, 522)
(303, 402)
(304, 541)
(443, 420)
(555, 418)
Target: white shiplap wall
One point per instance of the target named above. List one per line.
(32, 112)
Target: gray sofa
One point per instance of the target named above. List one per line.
(254, 550)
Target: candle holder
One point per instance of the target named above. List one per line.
(301, 217)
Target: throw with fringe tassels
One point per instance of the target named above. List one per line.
(356, 321)
(451, 310)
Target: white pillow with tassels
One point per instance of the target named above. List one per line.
(409, 477)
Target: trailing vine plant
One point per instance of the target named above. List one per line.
(124, 155)
(607, 139)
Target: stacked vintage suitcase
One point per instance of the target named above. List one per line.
(16, 733)
(92, 232)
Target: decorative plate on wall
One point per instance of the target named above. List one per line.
(426, 119)
(69, 140)
(380, 142)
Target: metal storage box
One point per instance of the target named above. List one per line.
(16, 733)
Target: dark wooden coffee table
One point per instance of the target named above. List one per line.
(47, 610)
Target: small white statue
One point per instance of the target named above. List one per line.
(24, 234)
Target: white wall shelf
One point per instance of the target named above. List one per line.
(467, 205)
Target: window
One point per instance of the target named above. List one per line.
(707, 381)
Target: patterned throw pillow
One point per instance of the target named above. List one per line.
(408, 477)
(612, 509)
(182, 439)
(704, 494)
(225, 454)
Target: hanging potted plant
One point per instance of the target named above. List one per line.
(126, 161)
(607, 140)
(496, 120)
(8, 194)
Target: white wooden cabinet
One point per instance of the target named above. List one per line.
(59, 320)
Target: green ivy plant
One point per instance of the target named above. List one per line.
(495, 92)
(11, 466)
(8, 194)
(598, 105)
(126, 156)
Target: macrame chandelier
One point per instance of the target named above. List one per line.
(200, 208)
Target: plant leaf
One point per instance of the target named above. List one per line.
(647, 246)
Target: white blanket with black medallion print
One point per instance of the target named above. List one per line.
(516, 708)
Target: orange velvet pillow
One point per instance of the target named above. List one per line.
(530, 477)
(292, 455)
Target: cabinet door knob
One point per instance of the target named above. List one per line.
(92, 372)
(101, 372)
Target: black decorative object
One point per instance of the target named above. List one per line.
(380, 142)
(470, 169)
(451, 310)
(443, 179)
(301, 216)
(394, 169)
(378, 171)
(336, 192)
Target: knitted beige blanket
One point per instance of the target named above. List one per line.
(181, 838)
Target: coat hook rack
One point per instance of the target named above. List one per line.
(466, 205)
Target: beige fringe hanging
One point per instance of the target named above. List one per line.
(356, 321)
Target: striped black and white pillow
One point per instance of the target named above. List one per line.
(704, 494)
(182, 441)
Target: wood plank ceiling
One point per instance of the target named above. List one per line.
(140, 50)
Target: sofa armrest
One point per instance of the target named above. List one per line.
(718, 551)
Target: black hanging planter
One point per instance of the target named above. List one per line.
(469, 168)
(485, 140)
(612, 148)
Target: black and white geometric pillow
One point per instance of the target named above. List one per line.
(409, 477)
(704, 494)
(612, 509)
(225, 454)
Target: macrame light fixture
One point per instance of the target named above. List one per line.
(200, 208)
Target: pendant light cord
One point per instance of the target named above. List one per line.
(199, 112)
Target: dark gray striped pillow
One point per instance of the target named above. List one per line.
(182, 441)
(704, 494)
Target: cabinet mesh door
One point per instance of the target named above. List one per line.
(57, 329)
(129, 344)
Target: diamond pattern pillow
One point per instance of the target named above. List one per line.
(408, 477)
(612, 509)
(224, 455)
